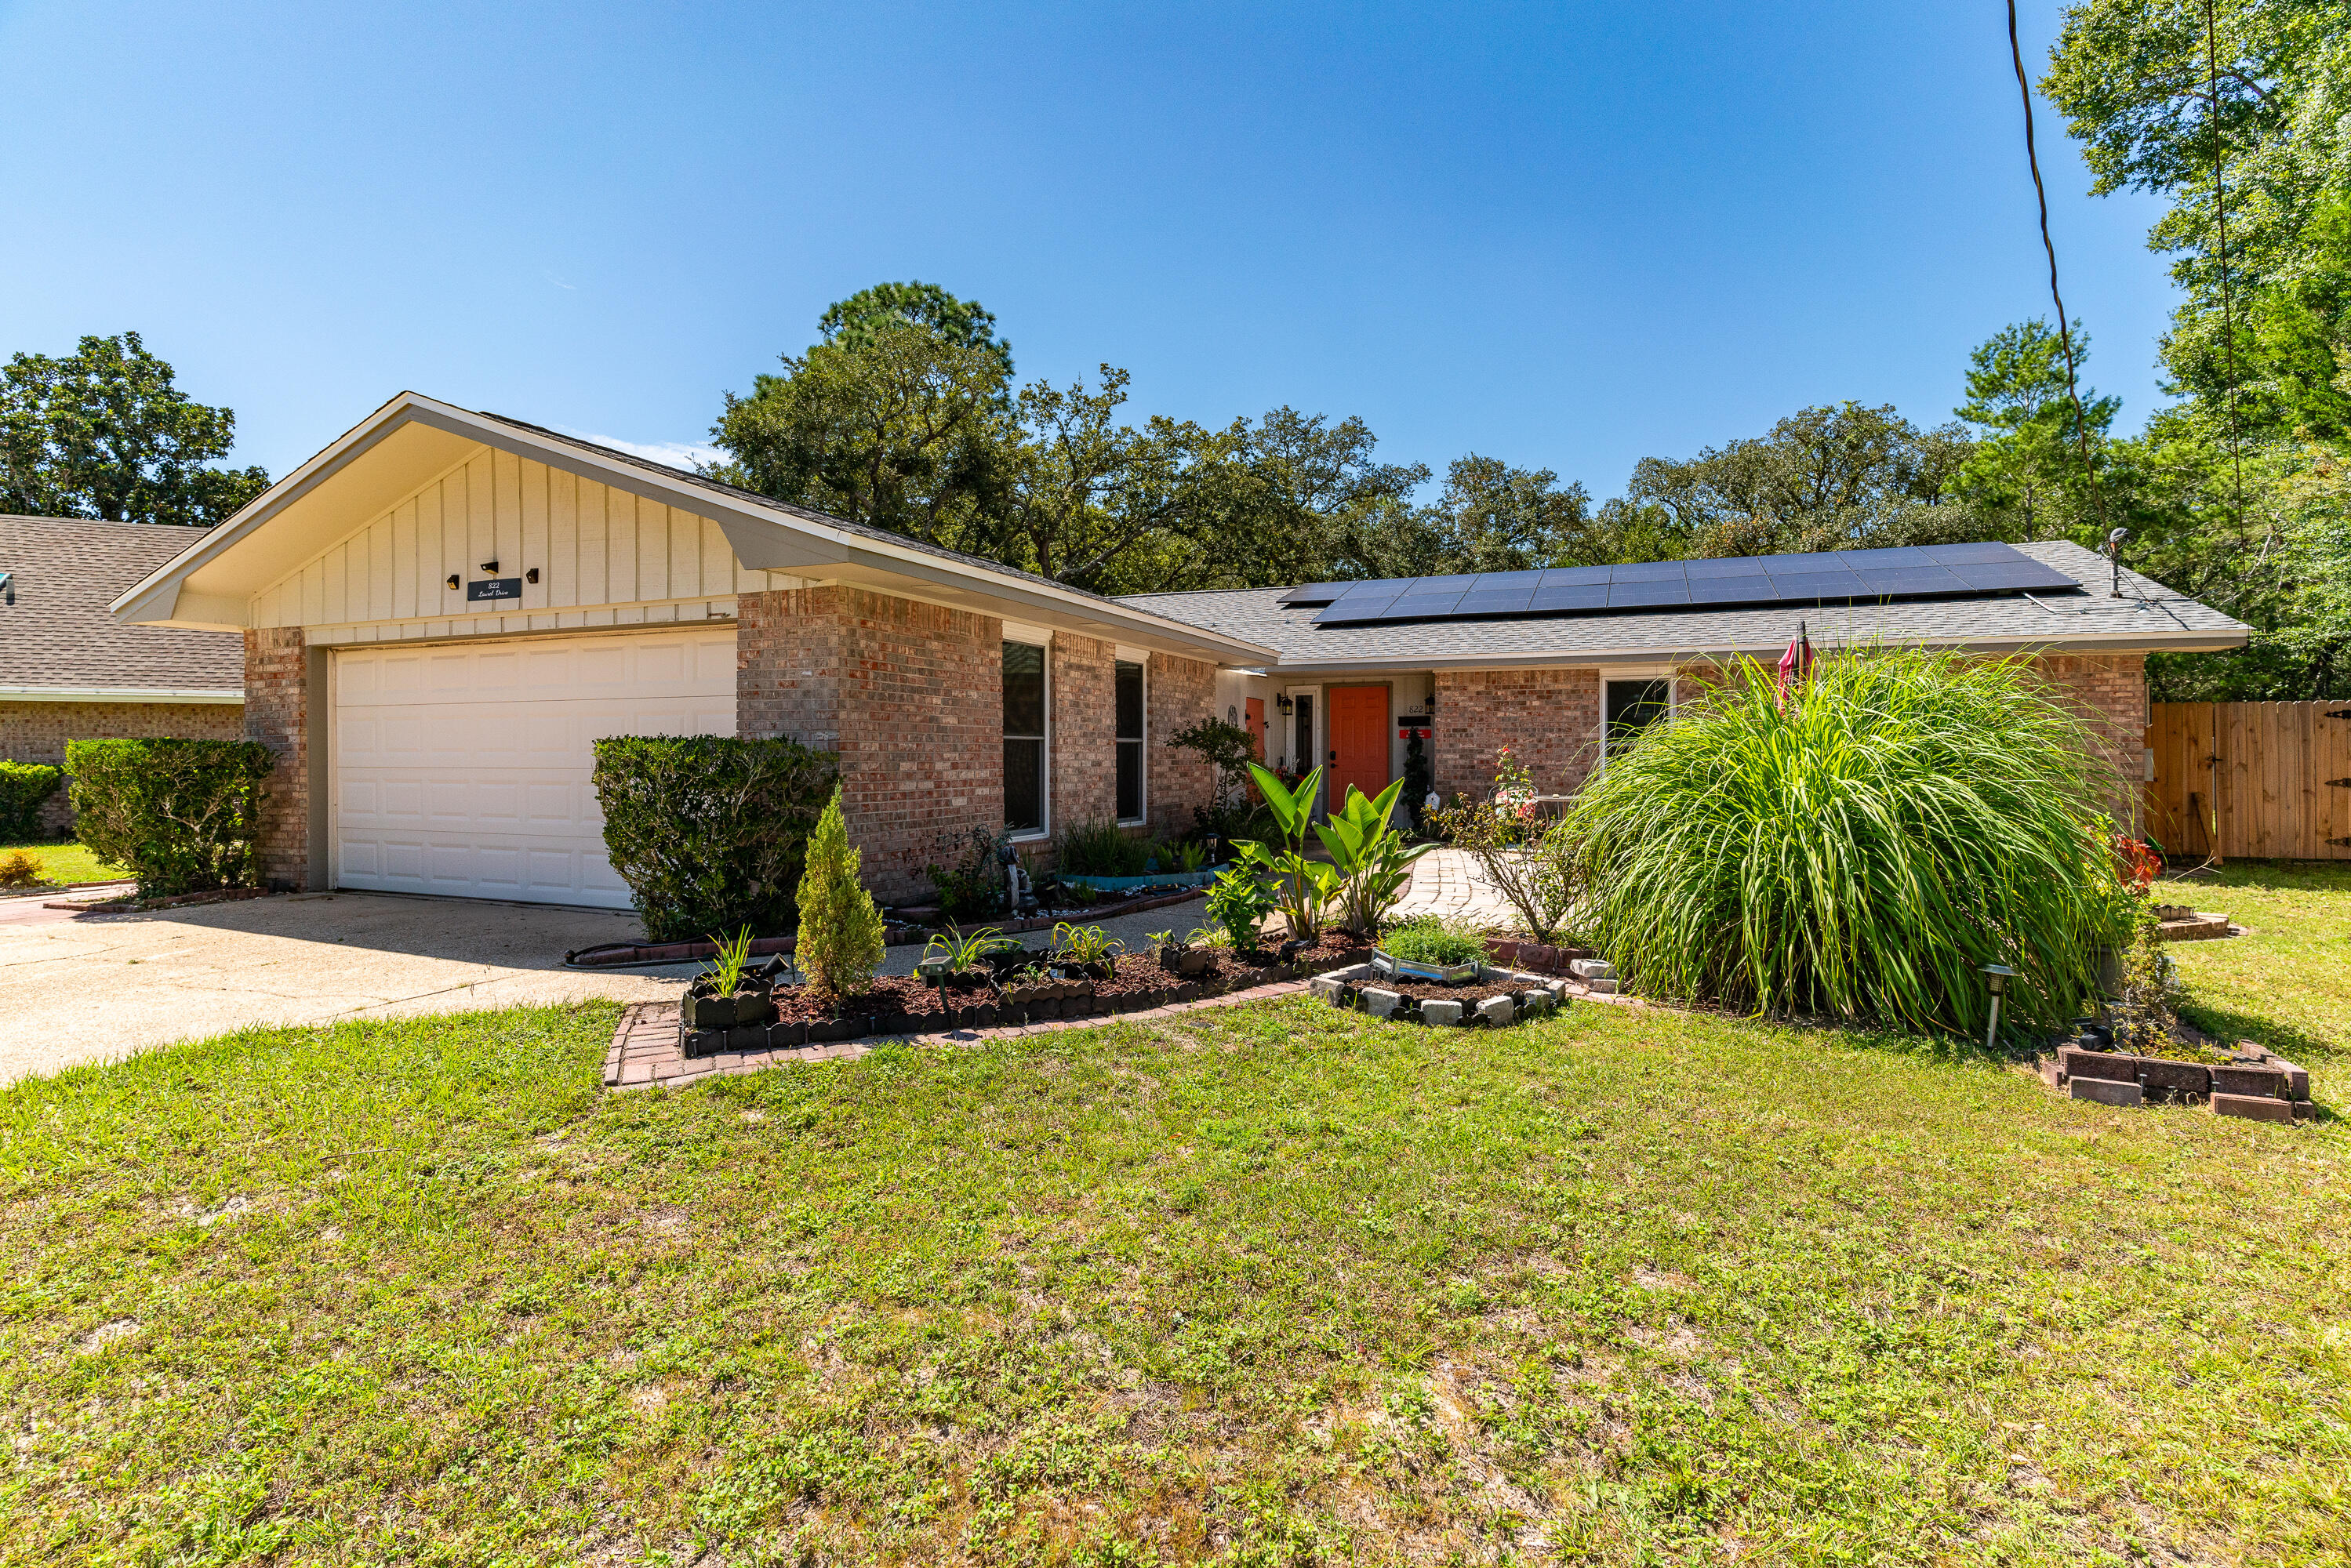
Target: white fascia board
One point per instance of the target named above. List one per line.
(118, 695)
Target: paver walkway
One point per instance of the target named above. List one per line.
(1446, 882)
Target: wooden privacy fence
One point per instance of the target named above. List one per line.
(2250, 780)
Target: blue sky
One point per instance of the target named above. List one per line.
(1565, 235)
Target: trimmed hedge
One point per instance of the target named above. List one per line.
(182, 815)
(23, 786)
(709, 831)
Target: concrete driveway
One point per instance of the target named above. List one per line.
(77, 988)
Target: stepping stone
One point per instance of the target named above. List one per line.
(1590, 970)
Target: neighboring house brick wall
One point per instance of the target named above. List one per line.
(276, 714)
(1182, 692)
(1084, 739)
(912, 697)
(1550, 718)
(37, 732)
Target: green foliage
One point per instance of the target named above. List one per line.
(966, 952)
(1370, 856)
(974, 887)
(19, 868)
(1303, 888)
(1417, 783)
(102, 432)
(182, 816)
(707, 830)
(23, 787)
(1229, 748)
(1531, 861)
(853, 321)
(726, 970)
(1084, 945)
(1239, 901)
(840, 930)
(1426, 939)
(2024, 476)
(1102, 848)
(1860, 851)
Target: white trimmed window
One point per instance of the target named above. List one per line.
(1127, 683)
(1025, 734)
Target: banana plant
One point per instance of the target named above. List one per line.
(1303, 887)
(1372, 862)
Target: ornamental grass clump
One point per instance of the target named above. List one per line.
(1857, 846)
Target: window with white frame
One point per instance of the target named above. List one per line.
(1127, 682)
(1024, 739)
(1631, 707)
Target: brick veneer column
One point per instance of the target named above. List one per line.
(278, 714)
(909, 694)
(1182, 692)
(1085, 726)
(1549, 718)
(2109, 691)
(37, 732)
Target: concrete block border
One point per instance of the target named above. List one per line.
(1501, 998)
(2257, 1085)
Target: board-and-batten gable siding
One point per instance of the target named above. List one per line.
(605, 558)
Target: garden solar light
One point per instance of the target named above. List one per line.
(1996, 979)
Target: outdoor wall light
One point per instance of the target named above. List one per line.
(1281, 704)
(1996, 979)
(531, 576)
(489, 569)
(453, 580)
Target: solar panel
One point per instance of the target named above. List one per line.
(1908, 571)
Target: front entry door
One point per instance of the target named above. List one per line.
(1358, 722)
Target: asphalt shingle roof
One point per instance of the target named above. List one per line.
(2148, 615)
(61, 635)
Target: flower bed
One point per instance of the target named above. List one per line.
(1497, 998)
(906, 1005)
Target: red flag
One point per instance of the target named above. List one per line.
(1797, 662)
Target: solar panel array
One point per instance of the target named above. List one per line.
(1828, 577)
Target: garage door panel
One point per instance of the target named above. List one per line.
(467, 770)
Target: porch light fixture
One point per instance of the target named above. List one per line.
(531, 576)
(489, 569)
(1996, 979)
(1281, 704)
(453, 580)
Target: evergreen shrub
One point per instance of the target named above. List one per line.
(183, 816)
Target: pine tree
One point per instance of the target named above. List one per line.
(840, 929)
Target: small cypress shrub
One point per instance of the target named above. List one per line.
(23, 786)
(183, 816)
(840, 929)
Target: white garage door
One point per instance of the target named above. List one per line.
(464, 767)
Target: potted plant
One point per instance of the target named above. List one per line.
(724, 995)
(1427, 949)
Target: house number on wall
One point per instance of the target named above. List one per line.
(494, 587)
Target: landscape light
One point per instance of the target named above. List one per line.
(1996, 979)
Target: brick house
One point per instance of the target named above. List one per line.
(70, 671)
(442, 610)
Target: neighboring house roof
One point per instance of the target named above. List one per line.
(2147, 618)
(413, 437)
(61, 643)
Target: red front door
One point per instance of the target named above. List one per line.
(1253, 719)
(1358, 723)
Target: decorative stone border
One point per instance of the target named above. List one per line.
(646, 1052)
(1494, 1000)
(2258, 1085)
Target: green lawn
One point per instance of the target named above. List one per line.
(1266, 1285)
(67, 862)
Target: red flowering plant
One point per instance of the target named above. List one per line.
(2137, 864)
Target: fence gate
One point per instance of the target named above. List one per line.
(2250, 780)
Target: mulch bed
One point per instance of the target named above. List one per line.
(1468, 992)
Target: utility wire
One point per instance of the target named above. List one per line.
(2220, 218)
(2064, 323)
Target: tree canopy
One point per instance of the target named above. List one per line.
(103, 433)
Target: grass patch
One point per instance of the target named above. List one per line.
(1264, 1284)
(2286, 983)
(68, 862)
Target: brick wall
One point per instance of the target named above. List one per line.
(2109, 691)
(1181, 693)
(1549, 718)
(1084, 760)
(37, 732)
(276, 714)
(911, 697)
